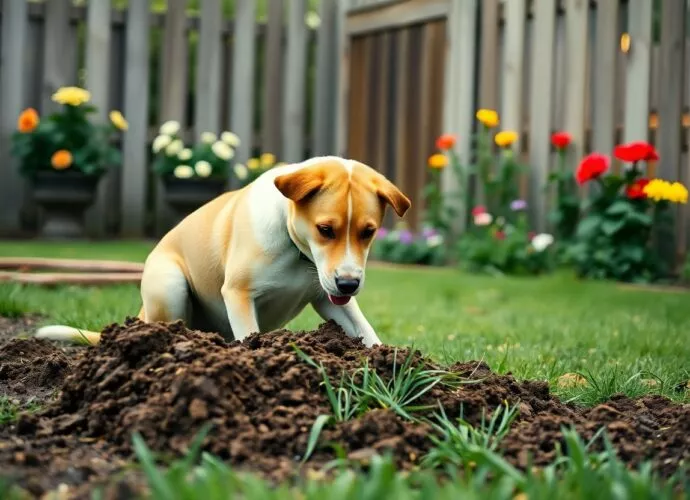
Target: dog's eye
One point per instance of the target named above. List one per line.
(367, 233)
(326, 231)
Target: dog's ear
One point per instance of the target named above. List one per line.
(390, 194)
(300, 185)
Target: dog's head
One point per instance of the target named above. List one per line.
(336, 208)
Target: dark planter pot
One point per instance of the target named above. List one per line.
(64, 197)
(186, 195)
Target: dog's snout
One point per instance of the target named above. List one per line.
(348, 286)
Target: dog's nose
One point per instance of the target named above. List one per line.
(347, 286)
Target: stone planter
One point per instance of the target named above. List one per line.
(63, 197)
(186, 195)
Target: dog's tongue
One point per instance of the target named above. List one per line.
(338, 301)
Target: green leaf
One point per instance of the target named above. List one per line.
(620, 207)
(641, 218)
(320, 422)
(633, 253)
(612, 226)
(588, 226)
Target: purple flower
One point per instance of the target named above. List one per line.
(428, 232)
(517, 205)
(381, 233)
(406, 237)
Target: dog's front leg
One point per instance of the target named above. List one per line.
(349, 317)
(241, 312)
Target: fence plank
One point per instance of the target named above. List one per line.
(382, 159)
(343, 78)
(540, 107)
(637, 92)
(208, 68)
(273, 79)
(488, 77)
(323, 137)
(14, 30)
(97, 81)
(293, 123)
(242, 102)
(577, 12)
(515, 18)
(605, 69)
(134, 166)
(57, 60)
(402, 106)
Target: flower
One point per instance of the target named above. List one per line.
(183, 172)
(160, 142)
(208, 137)
(591, 167)
(483, 219)
(500, 235)
(74, 96)
(28, 120)
(636, 190)
(479, 209)
(61, 159)
(531, 235)
(658, 190)
(381, 233)
(542, 241)
(434, 241)
(241, 171)
(561, 140)
(429, 232)
(185, 154)
(506, 138)
(118, 120)
(488, 117)
(253, 163)
(635, 151)
(312, 19)
(222, 150)
(174, 147)
(445, 141)
(438, 161)
(230, 139)
(171, 127)
(677, 193)
(267, 160)
(203, 168)
(517, 205)
(406, 237)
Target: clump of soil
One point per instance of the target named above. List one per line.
(165, 381)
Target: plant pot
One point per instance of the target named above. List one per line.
(186, 195)
(63, 197)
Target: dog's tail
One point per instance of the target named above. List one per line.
(68, 333)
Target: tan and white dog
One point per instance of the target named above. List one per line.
(252, 259)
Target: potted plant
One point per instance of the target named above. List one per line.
(246, 174)
(64, 156)
(192, 176)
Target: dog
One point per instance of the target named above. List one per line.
(252, 259)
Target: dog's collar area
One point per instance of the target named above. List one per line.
(302, 256)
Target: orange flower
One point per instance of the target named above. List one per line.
(61, 159)
(445, 141)
(28, 121)
(438, 161)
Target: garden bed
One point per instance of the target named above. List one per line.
(263, 396)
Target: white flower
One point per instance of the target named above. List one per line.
(183, 172)
(222, 150)
(160, 142)
(171, 127)
(208, 137)
(185, 154)
(241, 171)
(203, 168)
(230, 139)
(312, 19)
(542, 241)
(174, 147)
(483, 219)
(434, 240)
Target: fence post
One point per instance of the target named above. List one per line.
(343, 77)
(323, 137)
(638, 71)
(295, 83)
(207, 117)
(605, 65)
(273, 80)
(56, 51)
(515, 17)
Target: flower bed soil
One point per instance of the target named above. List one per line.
(165, 381)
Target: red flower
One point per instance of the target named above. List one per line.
(561, 140)
(635, 151)
(500, 235)
(591, 167)
(479, 209)
(445, 141)
(636, 189)
(531, 235)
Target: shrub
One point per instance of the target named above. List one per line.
(402, 246)
(246, 174)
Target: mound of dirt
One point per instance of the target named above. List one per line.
(165, 381)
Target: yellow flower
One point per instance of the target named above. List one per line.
(118, 120)
(267, 160)
(506, 138)
(677, 193)
(253, 163)
(488, 117)
(438, 160)
(74, 96)
(658, 190)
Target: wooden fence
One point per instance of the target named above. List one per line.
(272, 83)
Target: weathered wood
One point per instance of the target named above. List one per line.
(488, 77)
(395, 15)
(576, 13)
(14, 31)
(605, 84)
(97, 81)
(29, 263)
(273, 80)
(357, 118)
(511, 112)
(242, 102)
(383, 108)
(324, 110)
(343, 78)
(134, 168)
(295, 80)
(638, 85)
(540, 107)
(207, 107)
(71, 278)
(56, 55)
(402, 106)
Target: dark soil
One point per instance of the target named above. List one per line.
(165, 382)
